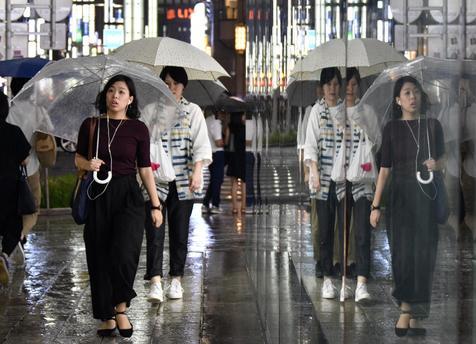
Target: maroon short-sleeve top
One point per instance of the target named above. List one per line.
(130, 147)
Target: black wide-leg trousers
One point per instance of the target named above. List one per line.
(113, 238)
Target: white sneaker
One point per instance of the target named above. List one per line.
(216, 210)
(175, 289)
(328, 290)
(156, 294)
(4, 270)
(249, 210)
(361, 292)
(18, 255)
(347, 291)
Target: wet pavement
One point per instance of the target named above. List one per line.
(248, 279)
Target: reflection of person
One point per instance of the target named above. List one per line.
(14, 149)
(413, 229)
(217, 167)
(236, 162)
(114, 227)
(324, 139)
(250, 150)
(361, 194)
(188, 147)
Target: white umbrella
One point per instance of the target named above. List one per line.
(370, 56)
(204, 92)
(158, 52)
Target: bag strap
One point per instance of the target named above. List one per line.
(92, 127)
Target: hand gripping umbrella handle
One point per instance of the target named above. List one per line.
(102, 181)
(424, 181)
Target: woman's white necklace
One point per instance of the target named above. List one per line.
(417, 142)
(109, 140)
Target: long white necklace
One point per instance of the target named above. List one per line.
(417, 143)
(109, 143)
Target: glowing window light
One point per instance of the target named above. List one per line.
(240, 38)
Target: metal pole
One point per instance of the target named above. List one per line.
(52, 24)
(8, 30)
(47, 189)
(405, 25)
(462, 30)
(445, 27)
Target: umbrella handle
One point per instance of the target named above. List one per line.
(424, 181)
(102, 181)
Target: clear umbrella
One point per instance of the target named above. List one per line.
(439, 79)
(63, 93)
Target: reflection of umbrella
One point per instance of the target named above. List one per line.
(301, 93)
(232, 104)
(22, 68)
(204, 92)
(439, 79)
(64, 93)
(163, 51)
(369, 55)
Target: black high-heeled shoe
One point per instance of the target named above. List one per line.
(106, 332)
(416, 331)
(400, 331)
(124, 332)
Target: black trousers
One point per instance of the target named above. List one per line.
(10, 221)
(326, 214)
(178, 217)
(361, 209)
(113, 238)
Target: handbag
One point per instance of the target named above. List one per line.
(161, 165)
(440, 204)
(26, 202)
(80, 200)
(45, 147)
(362, 164)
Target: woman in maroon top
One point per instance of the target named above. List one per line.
(113, 230)
(407, 142)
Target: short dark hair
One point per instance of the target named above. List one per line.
(17, 84)
(4, 107)
(177, 73)
(351, 73)
(396, 109)
(327, 74)
(132, 109)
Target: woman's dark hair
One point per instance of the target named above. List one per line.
(177, 73)
(351, 73)
(327, 74)
(397, 110)
(132, 109)
(4, 107)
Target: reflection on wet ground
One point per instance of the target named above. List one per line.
(287, 229)
(248, 279)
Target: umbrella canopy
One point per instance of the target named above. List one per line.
(370, 56)
(439, 80)
(62, 95)
(204, 92)
(232, 104)
(301, 92)
(22, 68)
(158, 52)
